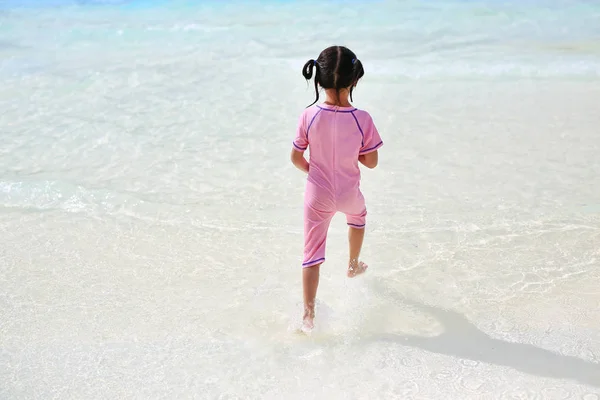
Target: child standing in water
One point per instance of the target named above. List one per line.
(339, 136)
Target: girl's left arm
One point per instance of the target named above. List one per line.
(297, 158)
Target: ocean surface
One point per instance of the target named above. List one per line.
(151, 221)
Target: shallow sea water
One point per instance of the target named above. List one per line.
(151, 222)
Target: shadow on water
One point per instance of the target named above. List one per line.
(462, 339)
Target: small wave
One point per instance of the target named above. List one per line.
(475, 69)
(191, 27)
(45, 196)
(53, 195)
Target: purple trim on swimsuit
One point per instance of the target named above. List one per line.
(298, 147)
(334, 110)
(357, 226)
(311, 122)
(362, 142)
(371, 148)
(308, 263)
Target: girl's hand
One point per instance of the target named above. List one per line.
(369, 160)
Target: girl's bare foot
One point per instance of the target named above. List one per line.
(308, 320)
(356, 267)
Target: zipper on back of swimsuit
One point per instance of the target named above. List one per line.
(335, 139)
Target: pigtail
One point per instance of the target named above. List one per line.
(307, 72)
(357, 73)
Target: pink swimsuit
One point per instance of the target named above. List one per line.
(336, 136)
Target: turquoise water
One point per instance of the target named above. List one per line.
(431, 39)
(151, 222)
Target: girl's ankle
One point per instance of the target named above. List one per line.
(309, 311)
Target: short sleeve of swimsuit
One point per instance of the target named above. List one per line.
(372, 140)
(301, 140)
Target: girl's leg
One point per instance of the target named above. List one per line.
(310, 283)
(319, 209)
(356, 213)
(355, 241)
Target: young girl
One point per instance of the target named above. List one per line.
(339, 136)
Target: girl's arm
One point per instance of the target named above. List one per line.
(369, 160)
(297, 158)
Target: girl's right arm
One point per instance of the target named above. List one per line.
(368, 154)
(369, 160)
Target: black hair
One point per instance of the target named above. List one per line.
(337, 67)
